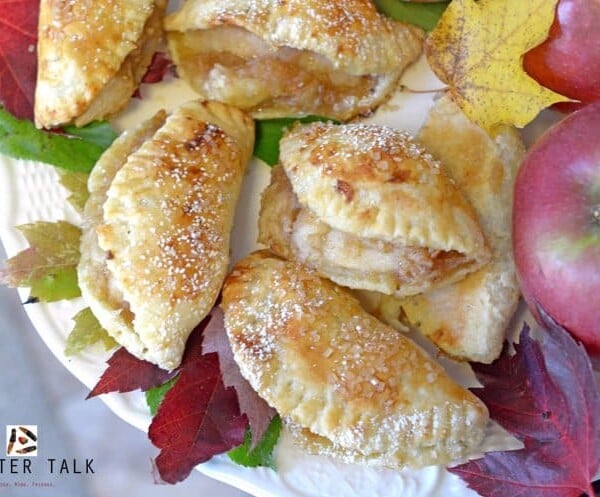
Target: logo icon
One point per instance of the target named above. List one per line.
(21, 440)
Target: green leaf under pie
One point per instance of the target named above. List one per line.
(262, 454)
(22, 140)
(87, 331)
(155, 395)
(76, 185)
(270, 131)
(424, 15)
(99, 132)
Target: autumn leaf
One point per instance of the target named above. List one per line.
(264, 425)
(158, 68)
(477, 49)
(126, 373)
(546, 394)
(253, 455)
(87, 331)
(49, 265)
(76, 185)
(18, 57)
(198, 418)
(259, 413)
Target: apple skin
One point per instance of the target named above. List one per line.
(556, 225)
(568, 61)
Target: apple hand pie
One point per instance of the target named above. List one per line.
(368, 208)
(336, 58)
(92, 56)
(327, 366)
(468, 319)
(155, 244)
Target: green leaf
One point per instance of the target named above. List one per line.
(57, 284)
(270, 131)
(99, 132)
(87, 331)
(262, 454)
(76, 185)
(22, 140)
(49, 265)
(155, 395)
(424, 15)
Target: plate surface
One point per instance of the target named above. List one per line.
(31, 192)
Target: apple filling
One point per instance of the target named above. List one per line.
(345, 257)
(232, 65)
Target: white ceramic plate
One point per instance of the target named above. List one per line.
(31, 192)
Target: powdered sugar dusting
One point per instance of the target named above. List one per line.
(166, 227)
(381, 153)
(319, 359)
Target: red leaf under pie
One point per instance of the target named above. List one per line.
(198, 418)
(546, 394)
(519, 393)
(258, 411)
(18, 55)
(126, 373)
(158, 68)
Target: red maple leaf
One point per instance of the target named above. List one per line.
(18, 57)
(546, 394)
(126, 373)
(198, 418)
(258, 411)
(158, 68)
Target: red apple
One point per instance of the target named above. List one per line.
(568, 62)
(556, 225)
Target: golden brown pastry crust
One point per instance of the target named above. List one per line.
(349, 37)
(155, 248)
(309, 349)
(369, 209)
(92, 56)
(468, 319)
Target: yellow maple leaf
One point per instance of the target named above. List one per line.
(477, 50)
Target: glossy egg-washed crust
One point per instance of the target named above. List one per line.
(155, 247)
(310, 350)
(92, 56)
(469, 319)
